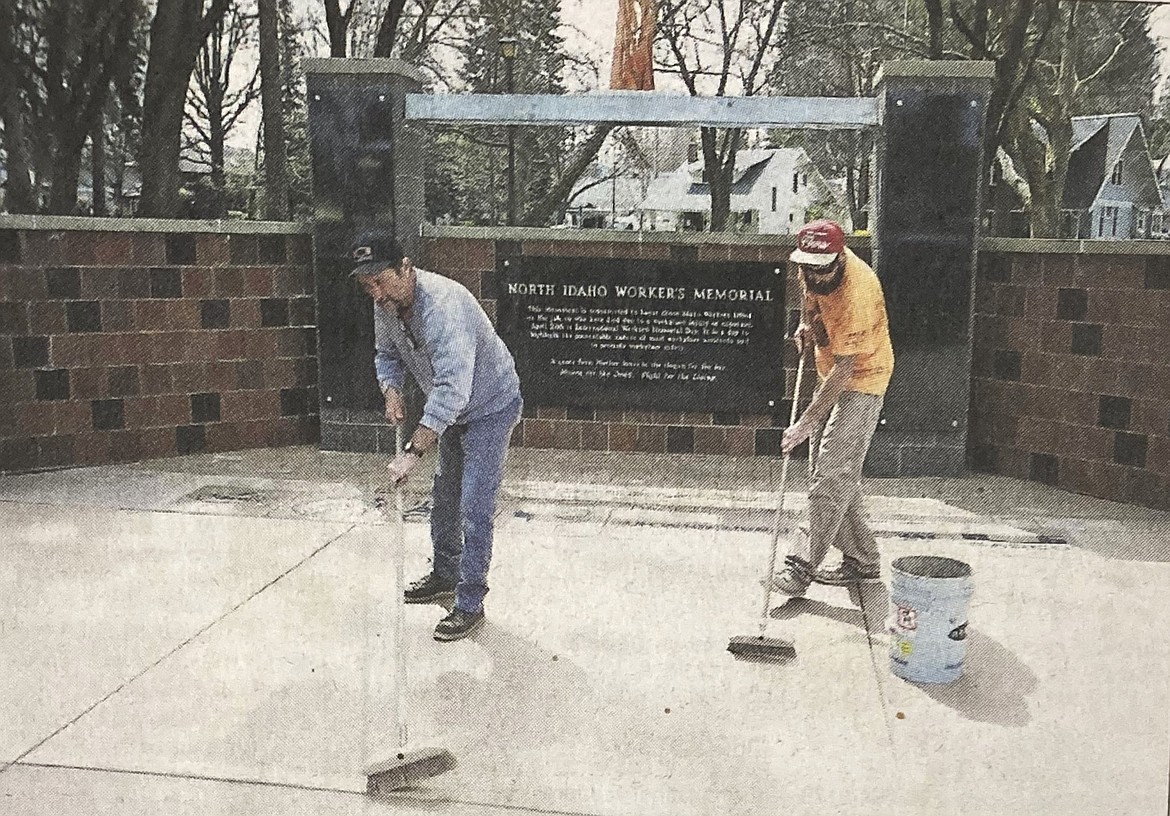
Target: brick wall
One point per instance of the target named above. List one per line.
(118, 346)
(472, 262)
(1071, 372)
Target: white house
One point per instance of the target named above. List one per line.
(773, 191)
(1112, 190)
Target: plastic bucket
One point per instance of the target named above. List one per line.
(929, 596)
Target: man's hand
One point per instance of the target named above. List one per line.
(794, 435)
(395, 408)
(402, 466)
(804, 336)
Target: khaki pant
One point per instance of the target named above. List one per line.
(836, 508)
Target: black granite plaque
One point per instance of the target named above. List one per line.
(662, 335)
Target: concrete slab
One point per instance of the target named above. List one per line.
(600, 685)
(92, 598)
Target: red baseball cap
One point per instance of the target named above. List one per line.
(818, 243)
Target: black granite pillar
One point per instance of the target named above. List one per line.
(367, 172)
(928, 180)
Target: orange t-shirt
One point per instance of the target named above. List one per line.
(851, 322)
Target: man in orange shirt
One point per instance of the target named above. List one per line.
(844, 314)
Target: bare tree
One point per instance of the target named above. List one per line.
(220, 99)
(275, 159)
(337, 21)
(720, 47)
(14, 62)
(177, 32)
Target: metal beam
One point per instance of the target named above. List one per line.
(642, 108)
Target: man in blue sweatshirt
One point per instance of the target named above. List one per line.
(435, 329)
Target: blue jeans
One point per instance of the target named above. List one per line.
(471, 467)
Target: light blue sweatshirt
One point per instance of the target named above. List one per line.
(452, 351)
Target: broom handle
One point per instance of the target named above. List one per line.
(399, 628)
(780, 507)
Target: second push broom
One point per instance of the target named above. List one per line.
(760, 646)
(404, 769)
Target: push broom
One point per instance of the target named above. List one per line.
(404, 769)
(760, 646)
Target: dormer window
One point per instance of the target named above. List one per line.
(1117, 171)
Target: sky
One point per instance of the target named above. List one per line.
(589, 28)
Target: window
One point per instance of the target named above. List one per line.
(796, 182)
(804, 179)
(1142, 217)
(773, 199)
(1118, 169)
(1107, 222)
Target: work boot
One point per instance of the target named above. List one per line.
(849, 571)
(430, 589)
(794, 579)
(458, 625)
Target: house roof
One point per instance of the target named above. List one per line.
(1099, 142)
(678, 190)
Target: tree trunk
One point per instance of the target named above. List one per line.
(338, 25)
(934, 18)
(540, 211)
(388, 30)
(66, 171)
(720, 174)
(275, 160)
(176, 34)
(97, 146)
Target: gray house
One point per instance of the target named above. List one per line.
(1111, 191)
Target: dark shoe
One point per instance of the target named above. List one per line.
(429, 589)
(458, 625)
(849, 571)
(794, 579)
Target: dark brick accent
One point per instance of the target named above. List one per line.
(1044, 468)
(30, 352)
(205, 408)
(166, 283)
(1086, 339)
(181, 249)
(243, 250)
(1114, 412)
(9, 246)
(579, 412)
(1157, 273)
(123, 381)
(13, 318)
(294, 401)
(1130, 449)
(215, 314)
(683, 253)
(18, 454)
(1007, 364)
(1072, 304)
(52, 385)
(64, 283)
(488, 284)
(273, 312)
(680, 439)
(508, 249)
(270, 249)
(768, 441)
(83, 316)
(302, 312)
(108, 415)
(725, 418)
(133, 284)
(190, 439)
